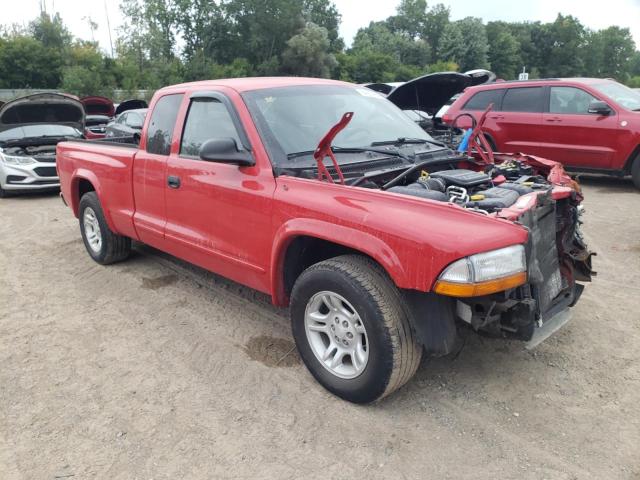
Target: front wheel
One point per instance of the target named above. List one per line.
(351, 329)
(103, 245)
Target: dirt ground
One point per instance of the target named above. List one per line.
(154, 369)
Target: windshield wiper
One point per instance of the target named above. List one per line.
(382, 151)
(408, 141)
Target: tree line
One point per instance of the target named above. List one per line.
(169, 41)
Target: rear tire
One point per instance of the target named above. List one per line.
(348, 305)
(635, 172)
(103, 245)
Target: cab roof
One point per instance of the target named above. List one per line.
(255, 83)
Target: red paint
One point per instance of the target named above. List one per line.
(239, 221)
(581, 141)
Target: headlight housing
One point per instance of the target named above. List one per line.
(16, 160)
(484, 273)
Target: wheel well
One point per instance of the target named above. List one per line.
(305, 251)
(84, 186)
(492, 142)
(629, 164)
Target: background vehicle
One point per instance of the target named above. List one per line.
(377, 252)
(126, 124)
(95, 126)
(99, 112)
(30, 128)
(426, 99)
(588, 124)
(132, 104)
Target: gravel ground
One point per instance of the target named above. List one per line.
(154, 369)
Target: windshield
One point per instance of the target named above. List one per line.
(33, 131)
(620, 94)
(295, 119)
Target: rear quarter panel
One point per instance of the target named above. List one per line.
(109, 169)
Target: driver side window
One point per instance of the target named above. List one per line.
(208, 118)
(569, 100)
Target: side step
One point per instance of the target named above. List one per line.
(549, 327)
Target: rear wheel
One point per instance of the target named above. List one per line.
(103, 245)
(635, 172)
(351, 329)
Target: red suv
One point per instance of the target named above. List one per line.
(588, 124)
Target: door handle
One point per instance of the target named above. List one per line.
(173, 181)
(554, 119)
(496, 117)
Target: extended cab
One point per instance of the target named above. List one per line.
(587, 124)
(326, 196)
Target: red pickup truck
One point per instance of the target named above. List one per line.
(383, 242)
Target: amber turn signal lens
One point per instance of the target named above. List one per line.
(452, 289)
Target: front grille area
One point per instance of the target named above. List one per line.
(46, 171)
(45, 158)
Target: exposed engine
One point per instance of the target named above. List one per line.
(499, 188)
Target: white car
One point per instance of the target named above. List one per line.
(30, 129)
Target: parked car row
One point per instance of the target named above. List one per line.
(31, 126)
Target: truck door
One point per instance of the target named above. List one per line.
(579, 138)
(149, 168)
(218, 214)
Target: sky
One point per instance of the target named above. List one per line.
(355, 13)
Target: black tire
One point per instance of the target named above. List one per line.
(114, 248)
(393, 351)
(491, 142)
(635, 172)
(3, 193)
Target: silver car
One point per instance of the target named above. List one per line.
(30, 128)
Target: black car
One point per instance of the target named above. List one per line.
(127, 124)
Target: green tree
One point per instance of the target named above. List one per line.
(452, 47)
(504, 50)
(26, 63)
(325, 14)
(307, 53)
(565, 56)
(476, 45)
(410, 19)
(436, 21)
(378, 37)
(618, 49)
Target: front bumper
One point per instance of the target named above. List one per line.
(36, 176)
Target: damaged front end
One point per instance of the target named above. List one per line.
(557, 259)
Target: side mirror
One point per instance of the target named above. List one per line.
(599, 107)
(225, 150)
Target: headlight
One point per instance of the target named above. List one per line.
(15, 160)
(484, 273)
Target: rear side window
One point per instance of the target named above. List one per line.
(481, 100)
(163, 120)
(208, 118)
(527, 99)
